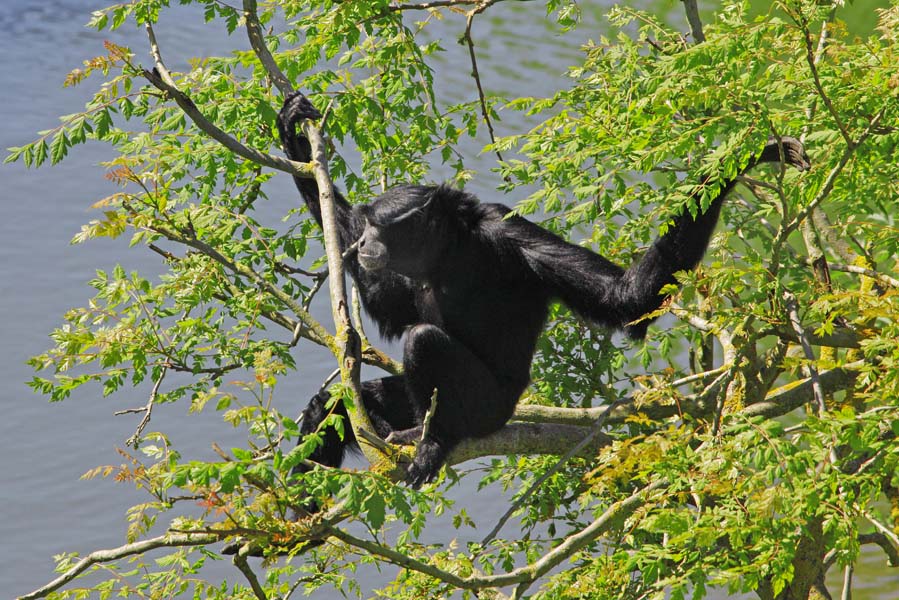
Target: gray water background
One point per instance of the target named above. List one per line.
(45, 508)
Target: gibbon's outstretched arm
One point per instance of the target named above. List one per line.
(607, 294)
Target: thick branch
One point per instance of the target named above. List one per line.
(240, 561)
(793, 395)
(529, 438)
(839, 338)
(349, 350)
(891, 550)
(777, 402)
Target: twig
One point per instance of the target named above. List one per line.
(812, 56)
(429, 415)
(315, 332)
(830, 181)
(328, 380)
(134, 440)
(481, 7)
(357, 316)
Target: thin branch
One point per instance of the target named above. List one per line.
(105, 556)
(481, 7)
(134, 440)
(240, 561)
(257, 42)
(439, 4)
(162, 80)
(357, 316)
(881, 277)
(429, 415)
(847, 583)
(189, 238)
(793, 313)
(812, 57)
(725, 337)
(349, 350)
(695, 22)
(570, 546)
(829, 183)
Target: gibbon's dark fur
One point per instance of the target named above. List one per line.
(470, 290)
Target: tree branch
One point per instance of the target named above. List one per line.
(104, 556)
(529, 438)
(812, 370)
(885, 543)
(349, 344)
(481, 7)
(692, 10)
(240, 561)
(162, 80)
(830, 181)
(793, 395)
(570, 546)
(257, 42)
(134, 440)
(577, 448)
(881, 277)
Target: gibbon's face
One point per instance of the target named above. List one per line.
(398, 237)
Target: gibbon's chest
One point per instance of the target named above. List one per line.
(475, 307)
(444, 306)
(430, 300)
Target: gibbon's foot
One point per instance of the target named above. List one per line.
(429, 457)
